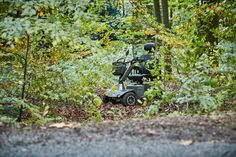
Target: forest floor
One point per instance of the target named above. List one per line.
(170, 136)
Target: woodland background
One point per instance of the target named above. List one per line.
(57, 53)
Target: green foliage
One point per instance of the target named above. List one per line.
(10, 104)
(65, 64)
(153, 110)
(205, 73)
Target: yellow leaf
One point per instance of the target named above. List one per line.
(186, 142)
(75, 46)
(97, 101)
(106, 93)
(101, 28)
(113, 88)
(46, 110)
(40, 14)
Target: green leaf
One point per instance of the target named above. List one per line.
(32, 12)
(54, 43)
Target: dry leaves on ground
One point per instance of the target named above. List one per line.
(186, 142)
(63, 125)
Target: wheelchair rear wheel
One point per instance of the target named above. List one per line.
(129, 99)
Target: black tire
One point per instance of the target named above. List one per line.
(105, 99)
(129, 99)
(113, 101)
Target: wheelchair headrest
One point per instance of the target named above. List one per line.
(149, 47)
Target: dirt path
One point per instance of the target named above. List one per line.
(167, 136)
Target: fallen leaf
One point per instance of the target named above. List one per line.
(43, 127)
(150, 132)
(186, 142)
(107, 121)
(139, 101)
(62, 125)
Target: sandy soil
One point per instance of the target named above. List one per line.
(189, 136)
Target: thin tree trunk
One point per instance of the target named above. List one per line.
(165, 13)
(24, 77)
(123, 7)
(171, 16)
(214, 24)
(157, 12)
(210, 36)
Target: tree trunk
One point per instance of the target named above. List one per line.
(157, 12)
(123, 7)
(171, 16)
(210, 36)
(25, 77)
(165, 13)
(214, 24)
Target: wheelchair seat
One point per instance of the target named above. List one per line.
(143, 69)
(136, 77)
(145, 57)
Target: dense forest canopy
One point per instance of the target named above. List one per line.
(57, 52)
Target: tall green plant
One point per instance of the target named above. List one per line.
(200, 66)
